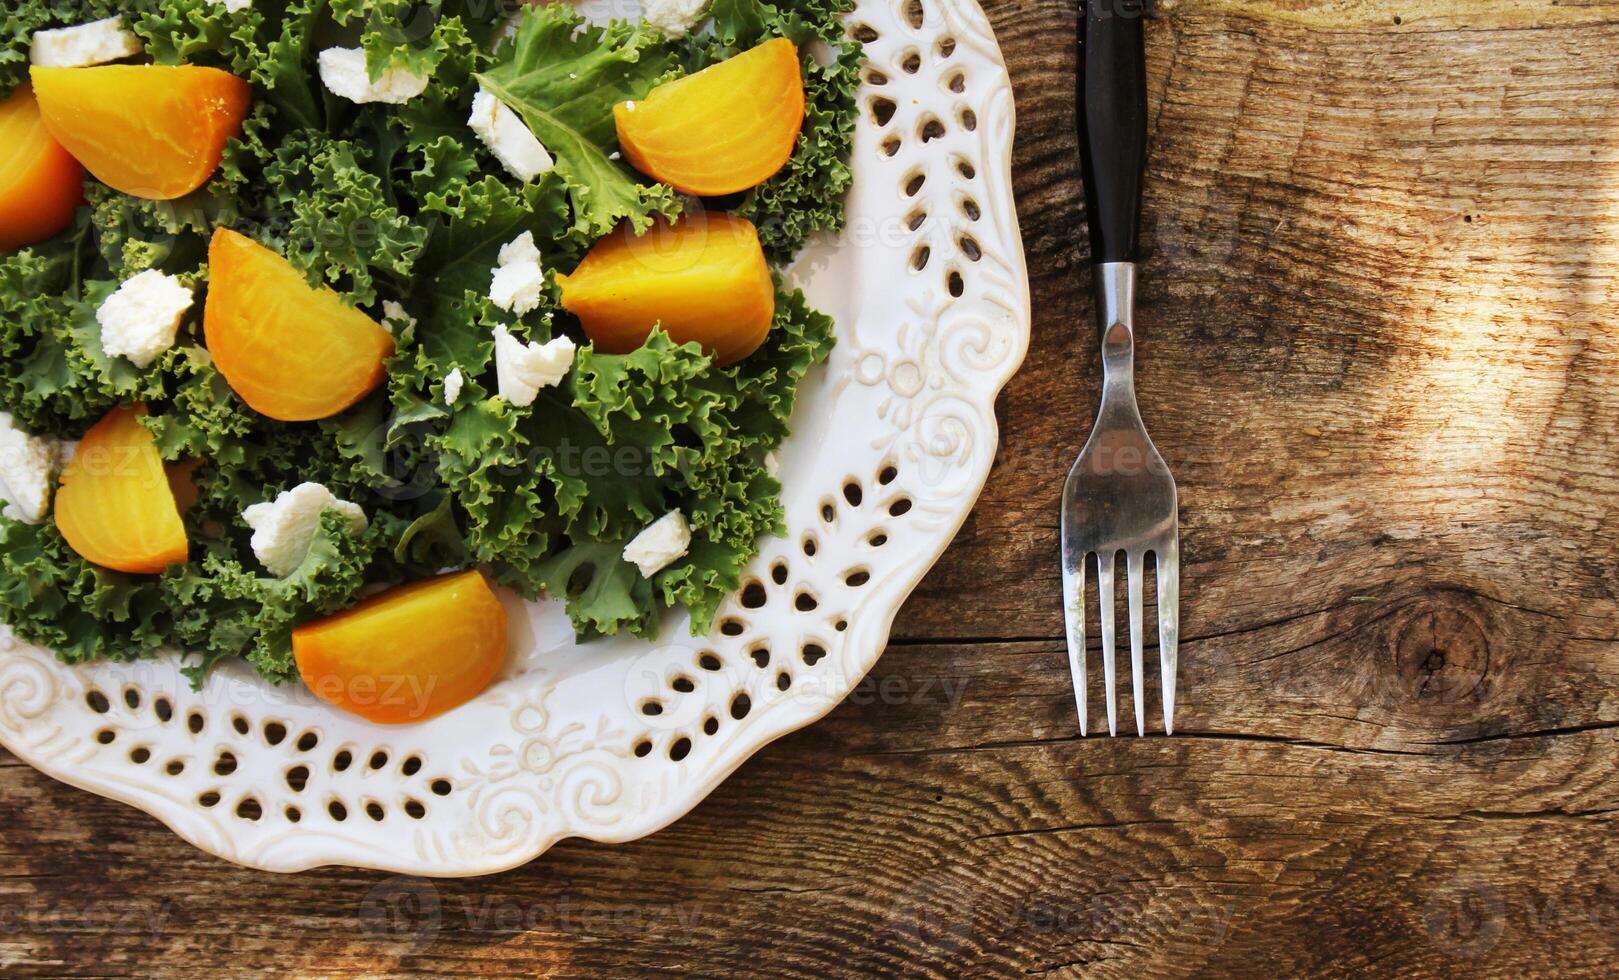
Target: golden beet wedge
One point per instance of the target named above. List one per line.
(152, 131)
(40, 182)
(725, 129)
(115, 506)
(408, 654)
(704, 279)
(292, 351)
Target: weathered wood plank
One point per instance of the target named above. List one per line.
(1380, 264)
(1378, 351)
(946, 828)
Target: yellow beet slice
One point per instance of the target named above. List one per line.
(116, 506)
(704, 279)
(152, 131)
(409, 654)
(292, 351)
(725, 129)
(40, 182)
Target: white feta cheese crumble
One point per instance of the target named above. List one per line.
(452, 386)
(284, 530)
(235, 6)
(28, 467)
(139, 320)
(520, 249)
(519, 280)
(663, 542)
(523, 369)
(393, 313)
(512, 143)
(675, 18)
(94, 43)
(343, 72)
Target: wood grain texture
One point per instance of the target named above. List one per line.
(1379, 351)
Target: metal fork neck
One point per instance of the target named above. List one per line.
(1116, 315)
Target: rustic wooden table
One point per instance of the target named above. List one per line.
(1379, 349)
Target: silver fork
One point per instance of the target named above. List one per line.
(1120, 496)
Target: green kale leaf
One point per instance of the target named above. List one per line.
(806, 196)
(563, 76)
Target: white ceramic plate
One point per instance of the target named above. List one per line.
(615, 739)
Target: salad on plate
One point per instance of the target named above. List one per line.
(321, 319)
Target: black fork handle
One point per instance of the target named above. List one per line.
(1113, 124)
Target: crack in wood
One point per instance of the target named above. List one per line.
(1600, 726)
(1552, 814)
(1297, 743)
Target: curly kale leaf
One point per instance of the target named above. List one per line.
(221, 607)
(52, 597)
(450, 295)
(199, 32)
(240, 458)
(806, 196)
(604, 593)
(57, 379)
(215, 607)
(552, 494)
(343, 228)
(684, 433)
(711, 428)
(563, 76)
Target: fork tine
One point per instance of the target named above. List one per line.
(1135, 567)
(1169, 611)
(1073, 596)
(1104, 595)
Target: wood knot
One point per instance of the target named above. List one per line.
(1441, 651)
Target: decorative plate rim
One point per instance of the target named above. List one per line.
(930, 290)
